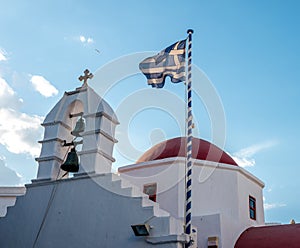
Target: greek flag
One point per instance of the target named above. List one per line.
(169, 62)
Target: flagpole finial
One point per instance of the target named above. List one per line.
(190, 31)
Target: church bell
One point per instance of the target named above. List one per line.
(79, 127)
(71, 164)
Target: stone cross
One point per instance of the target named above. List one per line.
(87, 75)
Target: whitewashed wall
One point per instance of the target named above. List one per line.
(86, 212)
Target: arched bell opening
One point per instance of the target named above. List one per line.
(73, 118)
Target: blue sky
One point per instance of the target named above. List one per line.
(248, 49)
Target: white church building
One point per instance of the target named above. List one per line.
(226, 199)
(140, 206)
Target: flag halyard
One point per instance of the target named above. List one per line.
(169, 62)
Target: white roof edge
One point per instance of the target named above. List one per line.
(12, 191)
(196, 162)
(252, 177)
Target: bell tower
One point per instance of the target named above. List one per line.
(96, 137)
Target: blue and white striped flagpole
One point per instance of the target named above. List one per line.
(188, 200)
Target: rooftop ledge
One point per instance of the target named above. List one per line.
(195, 162)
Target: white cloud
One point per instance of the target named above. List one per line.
(43, 86)
(244, 157)
(86, 40)
(90, 40)
(82, 38)
(8, 97)
(19, 132)
(2, 55)
(268, 206)
(8, 177)
(244, 162)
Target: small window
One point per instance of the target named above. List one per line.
(252, 208)
(150, 189)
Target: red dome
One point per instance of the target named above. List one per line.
(175, 147)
